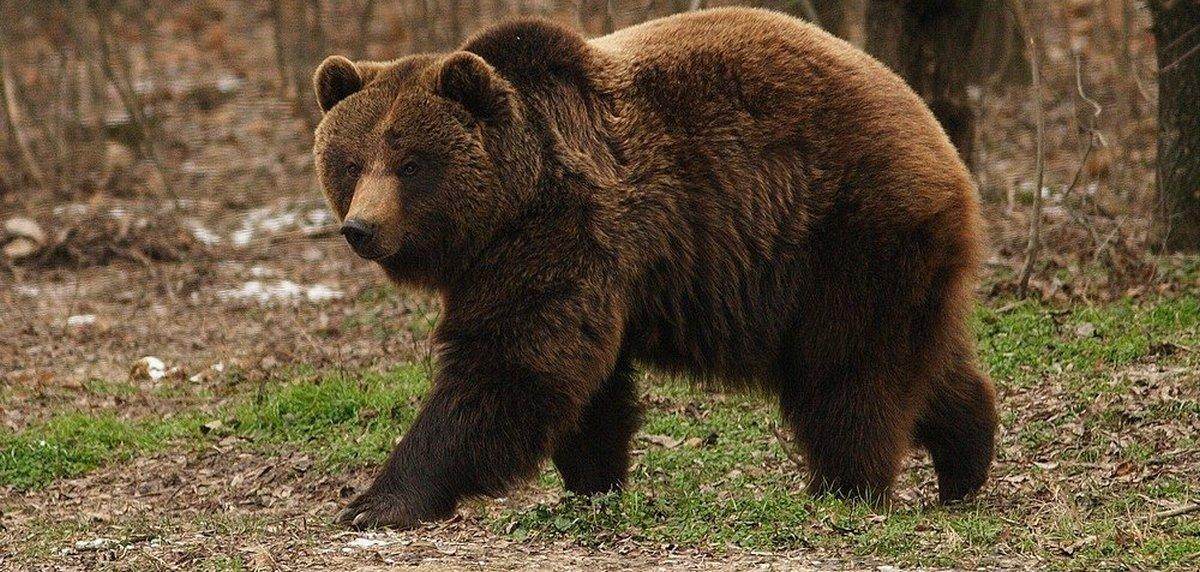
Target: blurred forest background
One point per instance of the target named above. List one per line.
(206, 106)
(170, 278)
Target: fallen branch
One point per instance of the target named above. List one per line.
(788, 448)
(1185, 509)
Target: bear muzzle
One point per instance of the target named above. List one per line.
(372, 222)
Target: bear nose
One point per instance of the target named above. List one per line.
(359, 234)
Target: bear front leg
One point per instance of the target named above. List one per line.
(473, 437)
(594, 458)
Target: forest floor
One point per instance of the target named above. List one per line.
(289, 366)
(278, 402)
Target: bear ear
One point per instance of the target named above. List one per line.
(336, 79)
(471, 82)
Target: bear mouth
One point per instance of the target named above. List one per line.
(372, 252)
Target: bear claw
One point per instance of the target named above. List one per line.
(375, 510)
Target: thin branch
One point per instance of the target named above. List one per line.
(1035, 224)
(1175, 43)
(1195, 49)
(122, 79)
(281, 63)
(12, 115)
(1096, 109)
(1093, 138)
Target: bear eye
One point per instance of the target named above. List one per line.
(353, 169)
(408, 169)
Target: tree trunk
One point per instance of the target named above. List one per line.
(930, 43)
(853, 26)
(1178, 164)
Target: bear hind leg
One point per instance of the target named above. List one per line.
(958, 427)
(853, 440)
(595, 457)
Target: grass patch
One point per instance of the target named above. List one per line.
(1022, 342)
(72, 444)
(347, 420)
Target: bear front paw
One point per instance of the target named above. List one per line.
(374, 509)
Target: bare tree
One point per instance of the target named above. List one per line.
(299, 46)
(929, 43)
(845, 18)
(1177, 34)
(939, 46)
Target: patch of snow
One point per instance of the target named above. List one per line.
(27, 291)
(242, 237)
(322, 293)
(363, 543)
(74, 209)
(95, 544)
(281, 290)
(80, 320)
(260, 271)
(278, 222)
(202, 233)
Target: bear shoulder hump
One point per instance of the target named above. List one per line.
(528, 51)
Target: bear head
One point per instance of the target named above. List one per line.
(422, 159)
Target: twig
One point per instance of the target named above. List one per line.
(1096, 109)
(1092, 134)
(1185, 509)
(120, 75)
(1093, 137)
(1195, 49)
(788, 448)
(281, 63)
(1035, 224)
(1175, 43)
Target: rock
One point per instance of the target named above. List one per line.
(148, 368)
(23, 227)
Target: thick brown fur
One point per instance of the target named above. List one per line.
(730, 194)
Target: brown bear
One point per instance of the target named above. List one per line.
(730, 194)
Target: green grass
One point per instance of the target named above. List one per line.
(728, 481)
(347, 421)
(74, 443)
(1022, 342)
